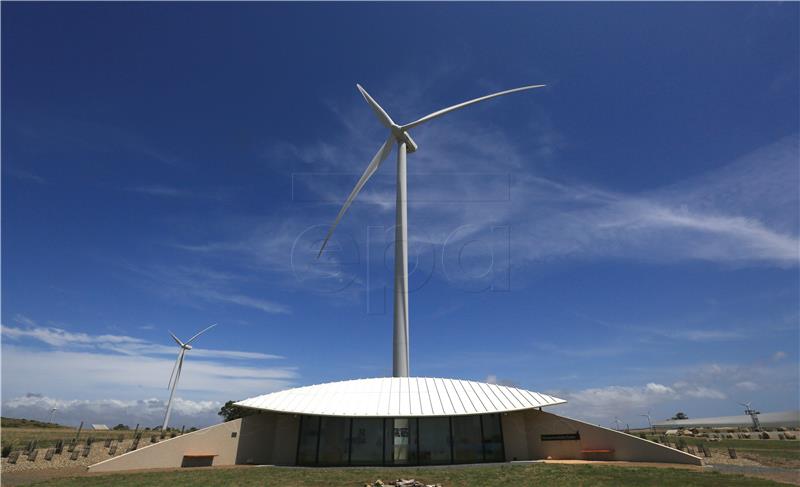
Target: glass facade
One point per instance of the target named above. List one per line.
(400, 441)
(334, 441)
(366, 443)
(434, 441)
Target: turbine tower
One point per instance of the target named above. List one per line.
(176, 370)
(405, 144)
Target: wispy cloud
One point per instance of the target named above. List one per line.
(161, 190)
(123, 344)
(116, 373)
(205, 283)
(744, 213)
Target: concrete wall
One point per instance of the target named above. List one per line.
(271, 439)
(217, 440)
(268, 439)
(625, 447)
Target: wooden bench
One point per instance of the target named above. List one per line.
(598, 453)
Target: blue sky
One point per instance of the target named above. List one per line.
(626, 238)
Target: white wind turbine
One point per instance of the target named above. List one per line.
(176, 369)
(399, 134)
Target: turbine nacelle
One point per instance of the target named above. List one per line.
(401, 136)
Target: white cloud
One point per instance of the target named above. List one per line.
(98, 375)
(658, 388)
(710, 387)
(146, 412)
(778, 356)
(128, 368)
(606, 402)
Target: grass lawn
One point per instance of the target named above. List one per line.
(483, 476)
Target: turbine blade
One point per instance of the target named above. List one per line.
(175, 367)
(180, 343)
(373, 166)
(383, 117)
(200, 333)
(443, 111)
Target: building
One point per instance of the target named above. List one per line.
(786, 419)
(396, 421)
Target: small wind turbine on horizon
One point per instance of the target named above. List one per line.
(649, 422)
(399, 134)
(176, 369)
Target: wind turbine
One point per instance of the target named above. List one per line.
(649, 422)
(405, 144)
(176, 369)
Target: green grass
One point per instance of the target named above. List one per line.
(483, 476)
(26, 423)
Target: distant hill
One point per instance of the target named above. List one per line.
(27, 423)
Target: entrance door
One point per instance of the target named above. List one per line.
(401, 436)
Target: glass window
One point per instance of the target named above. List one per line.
(492, 438)
(434, 441)
(309, 435)
(467, 441)
(401, 441)
(367, 441)
(334, 441)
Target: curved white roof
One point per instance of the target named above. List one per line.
(400, 397)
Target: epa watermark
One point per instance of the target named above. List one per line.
(469, 258)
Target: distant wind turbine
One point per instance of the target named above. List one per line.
(399, 134)
(649, 422)
(176, 369)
